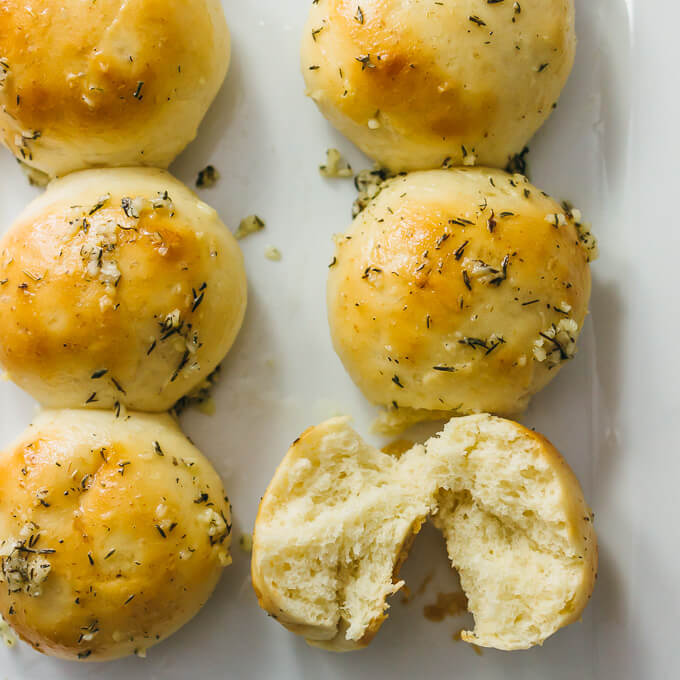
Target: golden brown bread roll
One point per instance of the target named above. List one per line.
(113, 533)
(118, 286)
(333, 527)
(417, 84)
(460, 291)
(110, 83)
(338, 519)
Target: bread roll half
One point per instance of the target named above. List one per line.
(330, 534)
(338, 519)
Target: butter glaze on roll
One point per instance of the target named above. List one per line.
(420, 83)
(458, 291)
(118, 287)
(111, 83)
(113, 533)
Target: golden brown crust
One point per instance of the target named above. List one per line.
(132, 521)
(413, 83)
(404, 79)
(96, 81)
(90, 289)
(444, 285)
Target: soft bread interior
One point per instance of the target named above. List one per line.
(330, 536)
(516, 528)
(339, 517)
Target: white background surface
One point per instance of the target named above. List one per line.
(611, 148)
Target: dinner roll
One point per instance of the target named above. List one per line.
(113, 533)
(339, 517)
(117, 287)
(418, 84)
(109, 83)
(458, 291)
(517, 529)
(331, 532)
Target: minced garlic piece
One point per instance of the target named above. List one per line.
(216, 524)
(207, 177)
(21, 570)
(6, 634)
(133, 207)
(587, 240)
(109, 274)
(172, 320)
(335, 165)
(99, 248)
(556, 219)
(105, 303)
(4, 70)
(249, 225)
(273, 254)
(163, 200)
(369, 184)
(585, 236)
(218, 531)
(557, 343)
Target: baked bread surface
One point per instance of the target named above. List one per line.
(107, 83)
(113, 533)
(118, 287)
(418, 83)
(458, 291)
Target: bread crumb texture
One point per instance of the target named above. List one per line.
(339, 517)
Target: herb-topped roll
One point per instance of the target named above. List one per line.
(118, 287)
(419, 84)
(107, 83)
(113, 533)
(458, 291)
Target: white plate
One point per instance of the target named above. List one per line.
(610, 148)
